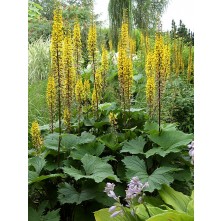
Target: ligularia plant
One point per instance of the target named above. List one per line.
(134, 194)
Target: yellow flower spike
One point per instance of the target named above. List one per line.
(112, 119)
(110, 45)
(87, 89)
(104, 65)
(69, 72)
(150, 93)
(98, 83)
(36, 135)
(132, 44)
(77, 46)
(190, 64)
(51, 99)
(166, 61)
(57, 37)
(79, 91)
(67, 117)
(94, 100)
(92, 41)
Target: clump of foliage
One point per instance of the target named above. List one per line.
(96, 136)
(38, 60)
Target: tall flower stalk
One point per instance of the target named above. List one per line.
(80, 98)
(51, 100)
(69, 78)
(104, 66)
(36, 136)
(92, 49)
(125, 67)
(57, 63)
(159, 71)
(150, 83)
(190, 64)
(77, 47)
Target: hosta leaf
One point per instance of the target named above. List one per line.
(52, 216)
(95, 168)
(134, 146)
(43, 177)
(68, 194)
(86, 137)
(91, 148)
(110, 140)
(38, 163)
(135, 167)
(104, 215)
(190, 208)
(170, 138)
(176, 199)
(171, 216)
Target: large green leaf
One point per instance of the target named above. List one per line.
(162, 152)
(104, 215)
(95, 148)
(110, 140)
(160, 176)
(68, 194)
(95, 168)
(171, 216)
(38, 163)
(170, 138)
(34, 179)
(176, 199)
(134, 146)
(136, 167)
(69, 141)
(52, 216)
(86, 137)
(190, 208)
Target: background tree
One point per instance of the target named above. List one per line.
(142, 15)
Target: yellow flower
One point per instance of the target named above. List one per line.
(69, 71)
(79, 91)
(57, 37)
(51, 93)
(166, 60)
(132, 44)
(104, 60)
(92, 41)
(87, 89)
(51, 99)
(150, 91)
(67, 117)
(190, 64)
(94, 100)
(112, 119)
(36, 135)
(77, 46)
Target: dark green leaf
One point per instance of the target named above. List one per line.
(68, 194)
(134, 146)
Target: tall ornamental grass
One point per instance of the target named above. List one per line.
(38, 60)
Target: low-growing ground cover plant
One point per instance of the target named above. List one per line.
(107, 127)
